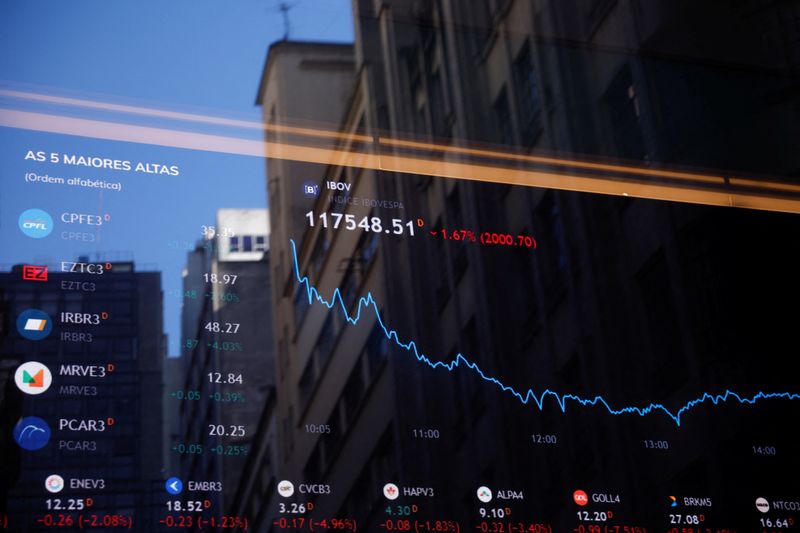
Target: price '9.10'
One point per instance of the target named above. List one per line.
(367, 223)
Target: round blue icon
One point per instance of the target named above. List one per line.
(34, 324)
(35, 223)
(32, 433)
(310, 189)
(174, 486)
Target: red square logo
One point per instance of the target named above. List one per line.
(34, 273)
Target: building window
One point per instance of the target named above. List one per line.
(377, 349)
(524, 263)
(416, 89)
(274, 197)
(438, 93)
(624, 113)
(554, 264)
(458, 254)
(283, 354)
(280, 278)
(248, 243)
(348, 287)
(598, 9)
(318, 254)
(480, 23)
(502, 118)
(353, 392)
(367, 247)
(440, 277)
(439, 116)
(325, 343)
(306, 384)
(266, 470)
(288, 432)
(529, 100)
(301, 304)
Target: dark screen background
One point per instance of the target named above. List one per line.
(641, 351)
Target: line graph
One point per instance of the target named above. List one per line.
(529, 396)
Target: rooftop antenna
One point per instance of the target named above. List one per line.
(284, 8)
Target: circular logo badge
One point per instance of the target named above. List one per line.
(484, 494)
(285, 488)
(174, 486)
(32, 433)
(580, 497)
(54, 483)
(35, 223)
(391, 491)
(34, 324)
(33, 377)
(762, 505)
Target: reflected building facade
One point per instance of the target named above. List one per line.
(311, 82)
(629, 298)
(131, 346)
(226, 281)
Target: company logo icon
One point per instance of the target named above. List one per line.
(174, 486)
(34, 273)
(34, 324)
(673, 501)
(285, 488)
(32, 433)
(35, 223)
(484, 494)
(762, 505)
(580, 497)
(33, 377)
(310, 189)
(391, 491)
(54, 483)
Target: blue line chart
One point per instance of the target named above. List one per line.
(529, 396)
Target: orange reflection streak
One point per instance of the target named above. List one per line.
(588, 184)
(761, 183)
(189, 117)
(349, 137)
(554, 161)
(765, 198)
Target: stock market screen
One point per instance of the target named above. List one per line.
(489, 266)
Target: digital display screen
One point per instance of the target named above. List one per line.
(494, 266)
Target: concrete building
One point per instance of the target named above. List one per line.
(132, 340)
(307, 84)
(600, 80)
(227, 357)
(255, 496)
